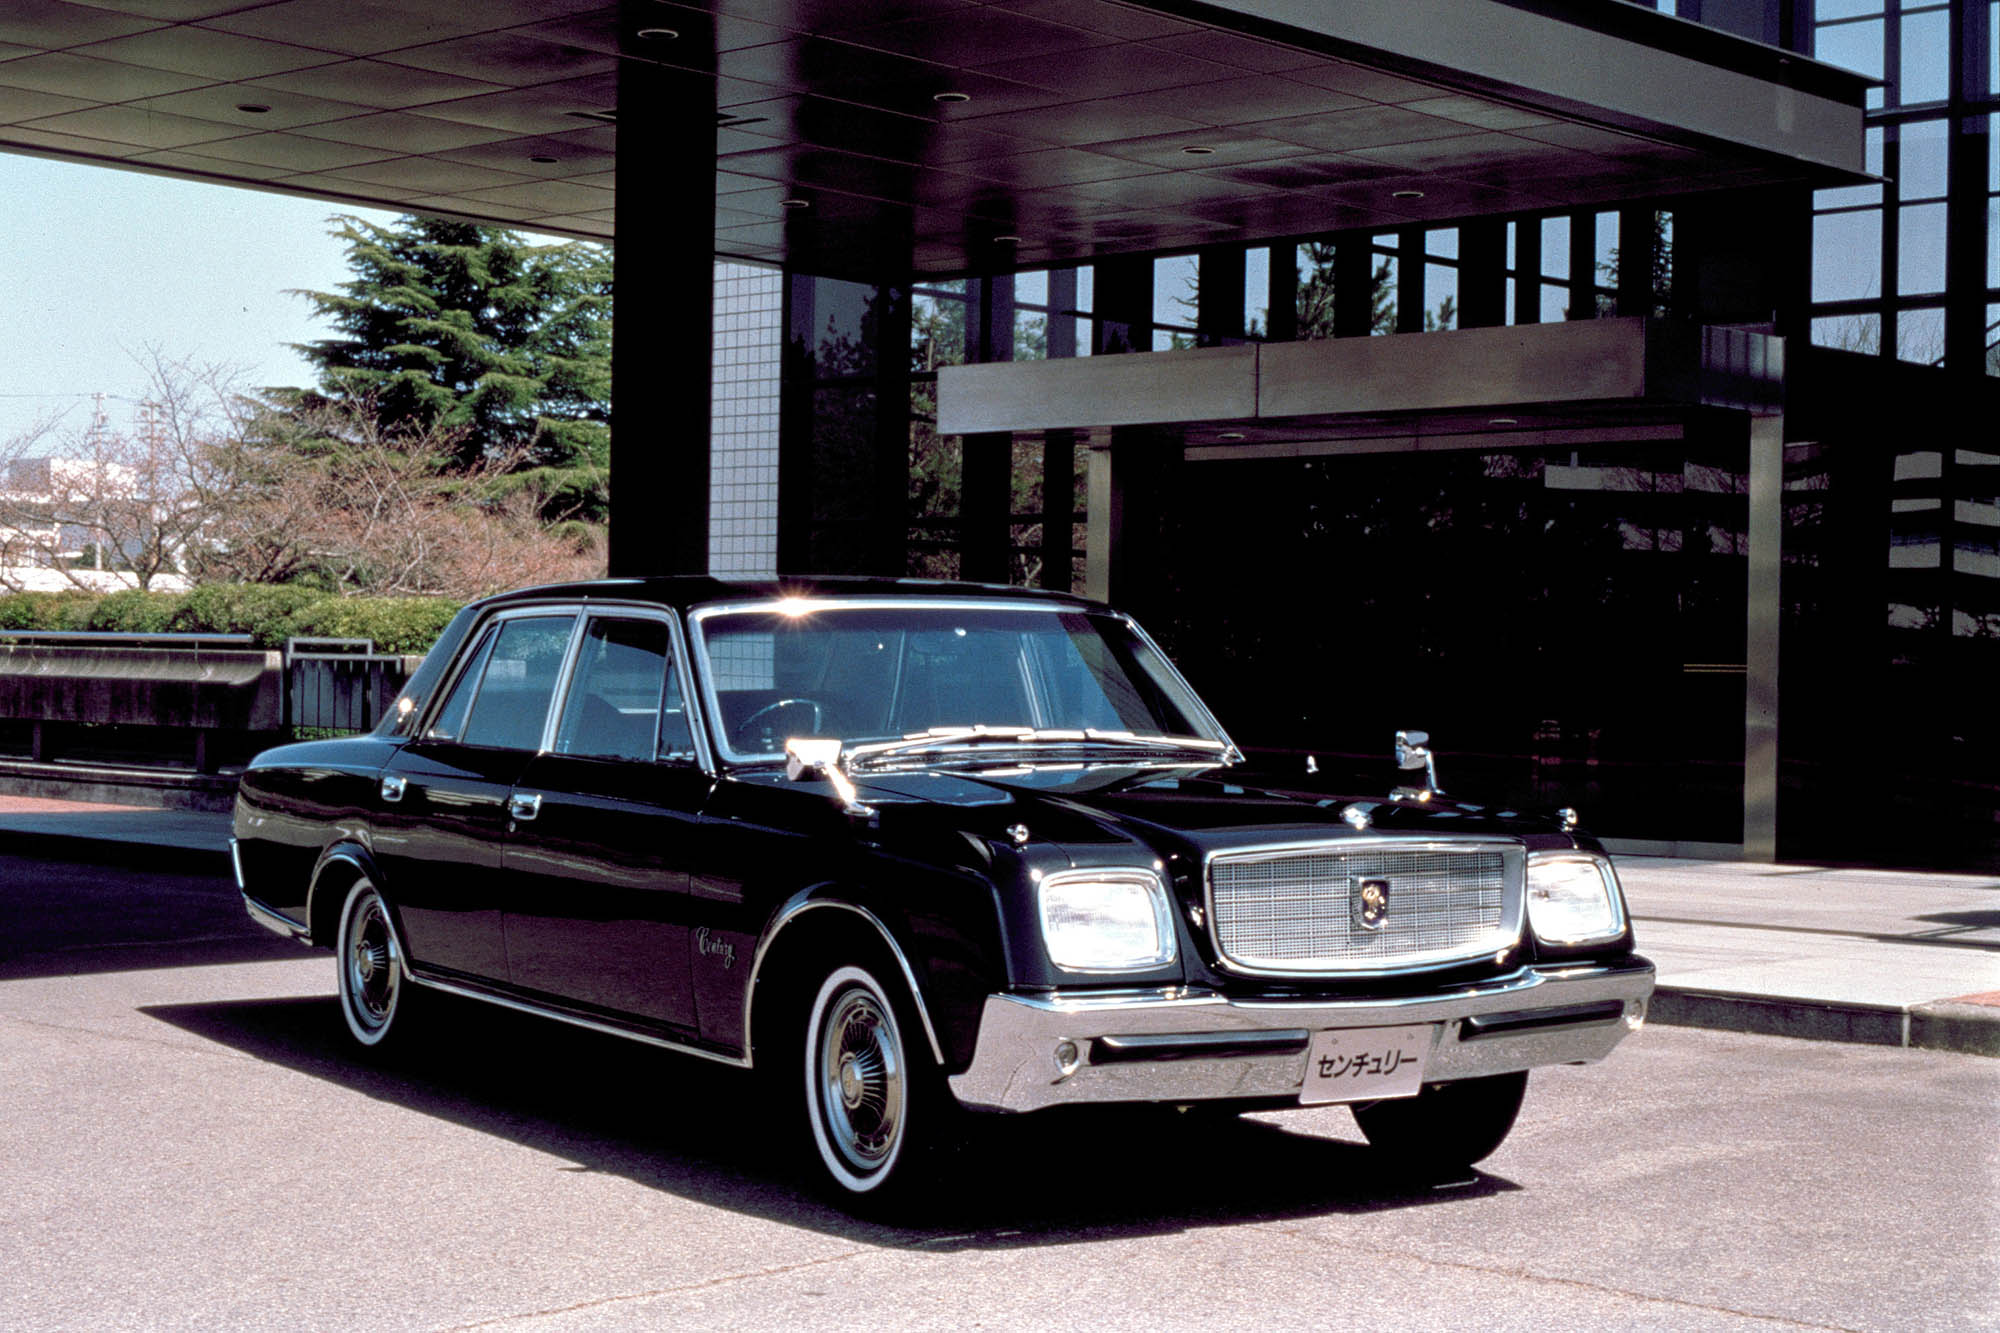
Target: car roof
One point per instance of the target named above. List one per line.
(684, 591)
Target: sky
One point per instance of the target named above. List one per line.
(97, 264)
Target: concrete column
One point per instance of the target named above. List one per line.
(1410, 280)
(985, 508)
(1130, 485)
(664, 271)
(1764, 611)
(1528, 271)
(1482, 274)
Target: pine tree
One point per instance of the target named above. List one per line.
(453, 326)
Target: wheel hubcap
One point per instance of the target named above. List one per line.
(371, 965)
(862, 1079)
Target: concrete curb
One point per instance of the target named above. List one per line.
(1941, 1026)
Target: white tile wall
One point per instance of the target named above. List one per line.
(743, 459)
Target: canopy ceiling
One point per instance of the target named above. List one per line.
(903, 132)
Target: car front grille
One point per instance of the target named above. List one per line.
(1301, 910)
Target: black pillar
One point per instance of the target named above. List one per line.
(1482, 274)
(1410, 280)
(1282, 322)
(1528, 271)
(1124, 300)
(1219, 293)
(1583, 264)
(890, 553)
(985, 497)
(1058, 509)
(664, 276)
(1635, 261)
(1353, 286)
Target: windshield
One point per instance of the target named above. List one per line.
(868, 672)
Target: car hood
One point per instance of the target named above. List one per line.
(1182, 809)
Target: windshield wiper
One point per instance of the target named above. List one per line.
(948, 738)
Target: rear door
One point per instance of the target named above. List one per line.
(605, 826)
(441, 821)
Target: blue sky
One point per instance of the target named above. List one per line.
(96, 264)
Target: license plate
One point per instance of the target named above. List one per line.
(1366, 1064)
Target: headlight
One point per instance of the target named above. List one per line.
(1573, 898)
(1106, 920)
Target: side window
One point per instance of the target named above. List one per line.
(512, 698)
(614, 703)
(450, 720)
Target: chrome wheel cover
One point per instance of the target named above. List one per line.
(859, 1079)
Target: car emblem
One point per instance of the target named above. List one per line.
(1371, 903)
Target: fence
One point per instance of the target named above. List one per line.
(341, 684)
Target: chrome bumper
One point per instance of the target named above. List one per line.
(1188, 1046)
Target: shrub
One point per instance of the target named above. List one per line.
(46, 610)
(263, 610)
(396, 624)
(135, 611)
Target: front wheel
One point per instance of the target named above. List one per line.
(1447, 1126)
(375, 990)
(866, 1091)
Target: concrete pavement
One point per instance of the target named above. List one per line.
(1885, 957)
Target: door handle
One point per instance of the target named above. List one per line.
(524, 808)
(393, 788)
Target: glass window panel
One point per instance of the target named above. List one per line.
(1924, 75)
(1847, 256)
(1313, 265)
(1032, 288)
(613, 707)
(1384, 302)
(1510, 302)
(937, 332)
(1086, 287)
(1845, 9)
(520, 678)
(1920, 250)
(1855, 46)
(1849, 333)
(1441, 243)
(1993, 340)
(1083, 335)
(1920, 337)
(1440, 297)
(1257, 292)
(1922, 149)
(1174, 280)
(844, 335)
(1512, 265)
(1555, 304)
(1555, 248)
(1607, 243)
(1031, 335)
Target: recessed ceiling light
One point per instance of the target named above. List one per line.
(951, 97)
(795, 203)
(1504, 421)
(658, 34)
(1406, 194)
(544, 159)
(1008, 238)
(252, 108)
(1198, 150)
(1230, 435)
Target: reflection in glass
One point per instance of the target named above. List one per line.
(1922, 149)
(1924, 73)
(1920, 337)
(1849, 333)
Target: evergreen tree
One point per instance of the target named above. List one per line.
(457, 327)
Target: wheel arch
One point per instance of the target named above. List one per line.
(339, 866)
(821, 914)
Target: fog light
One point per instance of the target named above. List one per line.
(1635, 1015)
(1066, 1058)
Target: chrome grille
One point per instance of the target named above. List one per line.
(1295, 910)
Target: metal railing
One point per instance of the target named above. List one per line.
(340, 684)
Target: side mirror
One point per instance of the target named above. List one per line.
(1413, 752)
(818, 757)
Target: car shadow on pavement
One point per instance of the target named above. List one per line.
(700, 1131)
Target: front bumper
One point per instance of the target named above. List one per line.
(1189, 1046)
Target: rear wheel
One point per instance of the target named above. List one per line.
(375, 990)
(872, 1101)
(1447, 1126)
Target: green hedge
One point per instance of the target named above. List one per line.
(270, 613)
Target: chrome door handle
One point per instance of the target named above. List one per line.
(524, 808)
(393, 788)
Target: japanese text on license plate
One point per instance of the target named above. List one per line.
(1364, 1064)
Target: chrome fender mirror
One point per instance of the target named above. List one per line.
(808, 758)
(1413, 752)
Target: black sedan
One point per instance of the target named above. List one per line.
(911, 849)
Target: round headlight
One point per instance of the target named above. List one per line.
(1106, 920)
(1573, 898)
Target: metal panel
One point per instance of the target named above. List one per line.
(1764, 610)
(1136, 389)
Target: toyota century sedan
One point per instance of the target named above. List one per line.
(914, 849)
